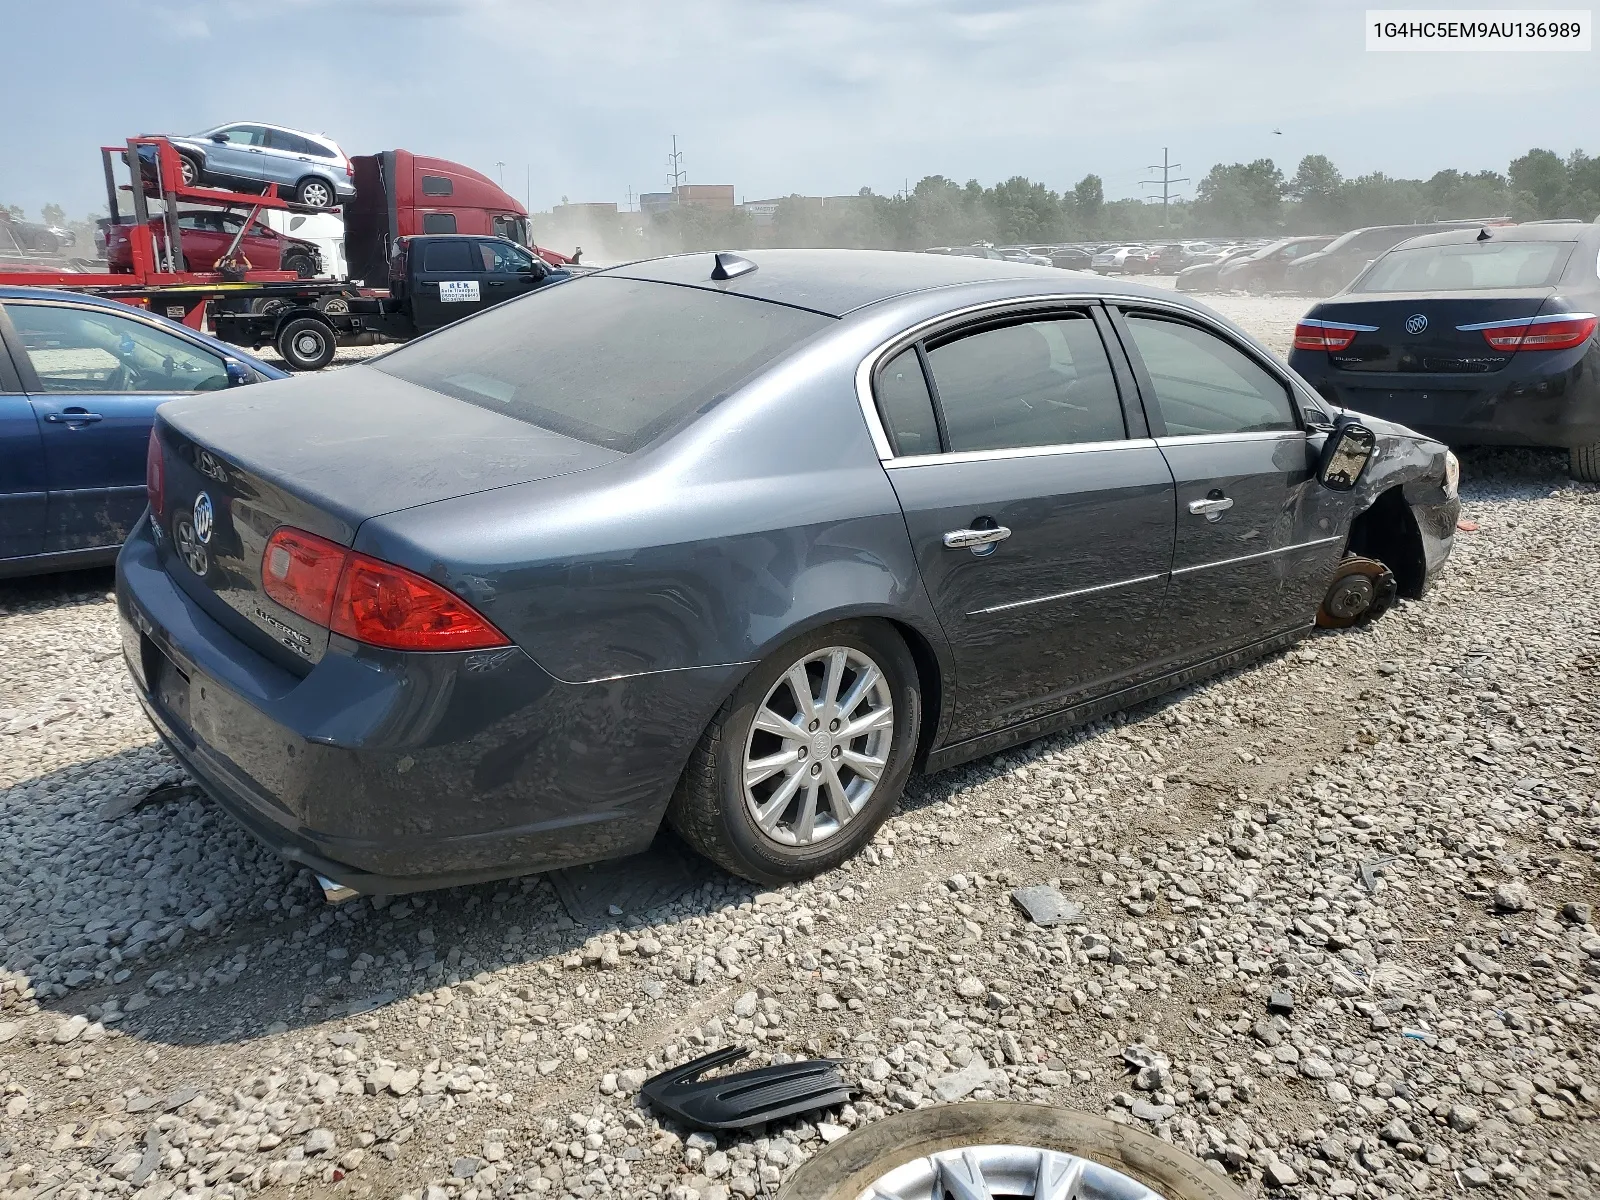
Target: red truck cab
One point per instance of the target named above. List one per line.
(401, 194)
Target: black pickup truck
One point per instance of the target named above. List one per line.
(434, 280)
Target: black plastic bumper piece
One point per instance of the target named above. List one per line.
(745, 1098)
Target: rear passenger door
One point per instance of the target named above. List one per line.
(1041, 521)
(448, 283)
(1257, 536)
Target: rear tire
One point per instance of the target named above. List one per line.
(1583, 463)
(716, 814)
(306, 344)
(318, 193)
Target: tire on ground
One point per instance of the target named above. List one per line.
(1583, 463)
(708, 808)
(306, 344)
(848, 1167)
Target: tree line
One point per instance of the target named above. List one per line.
(1234, 199)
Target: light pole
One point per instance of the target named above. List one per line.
(502, 167)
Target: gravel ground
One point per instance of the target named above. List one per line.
(1335, 934)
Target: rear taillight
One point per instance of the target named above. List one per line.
(301, 572)
(367, 599)
(155, 476)
(1557, 331)
(1326, 335)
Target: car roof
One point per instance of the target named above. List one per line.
(1539, 232)
(321, 137)
(838, 282)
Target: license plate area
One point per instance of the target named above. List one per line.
(169, 686)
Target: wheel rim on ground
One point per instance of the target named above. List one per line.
(315, 194)
(1006, 1173)
(818, 745)
(308, 345)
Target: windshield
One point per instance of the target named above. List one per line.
(1468, 267)
(616, 362)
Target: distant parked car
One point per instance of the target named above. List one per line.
(1072, 259)
(1202, 277)
(78, 395)
(1323, 272)
(1472, 340)
(206, 237)
(1120, 260)
(1263, 270)
(17, 234)
(1020, 254)
(307, 167)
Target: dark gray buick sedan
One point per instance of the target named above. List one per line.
(738, 542)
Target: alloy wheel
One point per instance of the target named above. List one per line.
(818, 745)
(316, 194)
(1006, 1173)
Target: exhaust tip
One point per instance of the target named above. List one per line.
(335, 893)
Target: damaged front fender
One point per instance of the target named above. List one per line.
(1406, 508)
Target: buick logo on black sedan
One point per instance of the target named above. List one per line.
(203, 518)
(1416, 323)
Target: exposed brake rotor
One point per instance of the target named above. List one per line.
(1362, 589)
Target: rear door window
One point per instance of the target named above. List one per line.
(448, 256)
(1034, 383)
(612, 361)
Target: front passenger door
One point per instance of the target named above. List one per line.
(94, 379)
(509, 272)
(1258, 537)
(1042, 529)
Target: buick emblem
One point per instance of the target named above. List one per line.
(1416, 323)
(203, 517)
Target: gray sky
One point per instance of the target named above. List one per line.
(774, 96)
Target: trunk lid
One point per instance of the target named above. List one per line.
(322, 453)
(1419, 333)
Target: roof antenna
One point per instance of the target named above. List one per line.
(1483, 234)
(731, 266)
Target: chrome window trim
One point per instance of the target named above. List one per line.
(968, 456)
(1102, 587)
(1546, 319)
(1201, 439)
(1228, 562)
(889, 347)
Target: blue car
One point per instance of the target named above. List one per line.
(80, 380)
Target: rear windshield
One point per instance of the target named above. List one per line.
(615, 362)
(1468, 267)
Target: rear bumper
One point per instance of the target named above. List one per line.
(401, 772)
(1559, 409)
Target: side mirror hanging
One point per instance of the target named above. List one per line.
(1345, 456)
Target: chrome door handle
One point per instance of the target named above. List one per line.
(966, 539)
(1201, 508)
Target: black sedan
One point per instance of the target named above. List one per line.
(738, 543)
(1476, 337)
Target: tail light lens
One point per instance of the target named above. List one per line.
(155, 476)
(1558, 331)
(1327, 335)
(367, 599)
